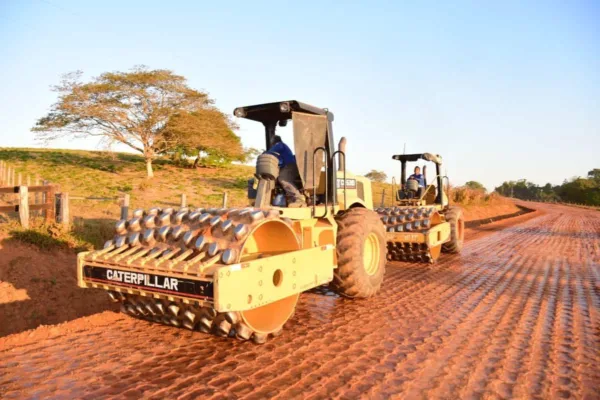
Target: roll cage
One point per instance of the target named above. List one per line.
(435, 158)
(278, 113)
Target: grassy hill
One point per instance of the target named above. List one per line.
(85, 174)
(104, 174)
(88, 174)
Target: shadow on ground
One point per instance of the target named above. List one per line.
(39, 287)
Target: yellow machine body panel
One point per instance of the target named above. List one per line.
(358, 190)
(256, 283)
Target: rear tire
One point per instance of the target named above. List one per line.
(455, 217)
(361, 254)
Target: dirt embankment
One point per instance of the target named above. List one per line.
(40, 288)
(480, 212)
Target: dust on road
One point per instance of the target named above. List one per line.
(516, 315)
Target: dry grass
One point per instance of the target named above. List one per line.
(461, 195)
(111, 175)
(47, 237)
(470, 197)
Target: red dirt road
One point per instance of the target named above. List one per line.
(516, 315)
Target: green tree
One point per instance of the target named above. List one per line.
(594, 175)
(376, 176)
(574, 190)
(204, 134)
(141, 109)
(475, 186)
(584, 191)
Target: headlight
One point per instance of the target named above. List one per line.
(284, 107)
(239, 112)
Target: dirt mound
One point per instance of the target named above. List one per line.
(40, 288)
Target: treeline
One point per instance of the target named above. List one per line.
(576, 190)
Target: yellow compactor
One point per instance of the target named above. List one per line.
(421, 224)
(239, 271)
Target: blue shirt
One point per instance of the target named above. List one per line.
(419, 178)
(285, 154)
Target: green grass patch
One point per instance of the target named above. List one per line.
(49, 237)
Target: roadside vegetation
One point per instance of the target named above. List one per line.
(577, 190)
(471, 194)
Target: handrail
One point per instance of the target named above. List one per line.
(314, 205)
(332, 157)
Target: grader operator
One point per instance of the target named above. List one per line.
(238, 272)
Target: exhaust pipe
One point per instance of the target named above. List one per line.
(342, 159)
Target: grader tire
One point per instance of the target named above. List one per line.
(457, 231)
(361, 254)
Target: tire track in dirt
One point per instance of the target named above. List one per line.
(515, 315)
(541, 359)
(518, 349)
(494, 327)
(430, 312)
(422, 337)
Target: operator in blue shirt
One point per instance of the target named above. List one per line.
(282, 151)
(418, 177)
(288, 172)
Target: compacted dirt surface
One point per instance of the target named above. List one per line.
(516, 315)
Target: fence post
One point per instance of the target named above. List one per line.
(383, 198)
(224, 199)
(19, 179)
(1, 172)
(28, 180)
(49, 202)
(12, 177)
(24, 206)
(36, 195)
(43, 199)
(125, 207)
(183, 200)
(62, 208)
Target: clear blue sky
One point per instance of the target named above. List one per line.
(503, 90)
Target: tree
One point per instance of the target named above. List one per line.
(142, 109)
(475, 186)
(574, 190)
(199, 134)
(376, 176)
(594, 175)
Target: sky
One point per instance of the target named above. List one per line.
(502, 90)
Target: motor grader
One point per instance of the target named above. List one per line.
(421, 224)
(239, 271)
